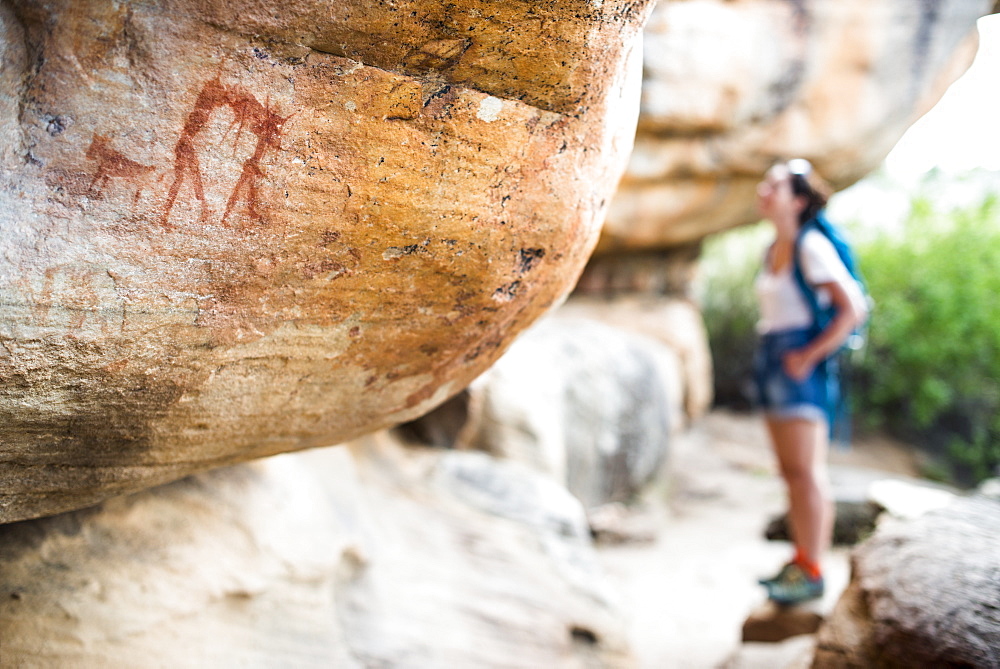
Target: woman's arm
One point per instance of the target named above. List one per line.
(848, 314)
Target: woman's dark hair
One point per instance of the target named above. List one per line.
(807, 183)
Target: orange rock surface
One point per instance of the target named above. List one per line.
(232, 229)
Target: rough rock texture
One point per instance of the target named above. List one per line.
(592, 406)
(731, 85)
(232, 229)
(923, 593)
(373, 556)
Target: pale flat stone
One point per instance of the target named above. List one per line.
(372, 555)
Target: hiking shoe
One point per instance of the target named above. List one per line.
(794, 587)
(777, 577)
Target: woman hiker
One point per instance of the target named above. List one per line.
(797, 381)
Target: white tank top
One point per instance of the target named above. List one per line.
(782, 305)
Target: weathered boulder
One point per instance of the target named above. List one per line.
(592, 406)
(372, 556)
(233, 229)
(923, 593)
(731, 85)
(671, 320)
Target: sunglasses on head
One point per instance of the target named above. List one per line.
(799, 167)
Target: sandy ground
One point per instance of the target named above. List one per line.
(688, 592)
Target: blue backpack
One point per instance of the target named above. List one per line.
(839, 414)
(822, 316)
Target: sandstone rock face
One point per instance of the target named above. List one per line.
(732, 85)
(232, 229)
(373, 556)
(923, 593)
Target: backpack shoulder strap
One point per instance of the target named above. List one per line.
(840, 245)
(812, 300)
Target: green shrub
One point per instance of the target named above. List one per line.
(932, 368)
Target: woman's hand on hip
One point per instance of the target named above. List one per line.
(798, 364)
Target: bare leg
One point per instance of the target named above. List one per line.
(801, 448)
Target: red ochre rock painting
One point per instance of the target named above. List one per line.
(250, 115)
(112, 164)
(260, 120)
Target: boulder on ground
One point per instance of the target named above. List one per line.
(672, 320)
(590, 405)
(923, 593)
(854, 522)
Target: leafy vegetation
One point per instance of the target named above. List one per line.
(932, 370)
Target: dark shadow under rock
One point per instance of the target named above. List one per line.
(854, 523)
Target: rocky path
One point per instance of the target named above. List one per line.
(688, 592)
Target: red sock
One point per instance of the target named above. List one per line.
(811, 568)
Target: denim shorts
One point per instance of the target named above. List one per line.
(815, 398)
